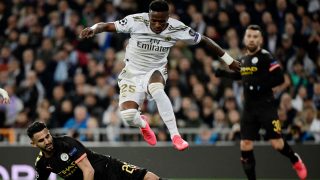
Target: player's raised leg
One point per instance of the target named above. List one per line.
(156, 89)
(284, 148)
(129, 113)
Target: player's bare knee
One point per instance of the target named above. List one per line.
(129, 116)
(246, 145)
(277, 144)
(128, 105)
(156, 77)
(155, 87)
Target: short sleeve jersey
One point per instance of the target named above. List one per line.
(147, 50)
(67, 153)
(255, 71)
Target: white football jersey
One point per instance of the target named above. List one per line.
(147, 50)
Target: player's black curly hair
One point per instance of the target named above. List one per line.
(159, 6)
(35, 127)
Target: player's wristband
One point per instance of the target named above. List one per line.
(94, 27)
(227, 58)
(3, 93)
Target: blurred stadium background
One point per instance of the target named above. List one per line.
(71, 84)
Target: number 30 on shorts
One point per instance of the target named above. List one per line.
(127, 88)
(276, 126)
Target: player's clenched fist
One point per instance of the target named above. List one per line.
(4, 98)
(87, 33)
(235, 66)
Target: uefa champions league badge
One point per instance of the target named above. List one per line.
(254, 60)
(123, 21)
(64, 156)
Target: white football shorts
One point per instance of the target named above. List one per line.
(133, 83)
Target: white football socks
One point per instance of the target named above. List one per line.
(164, 107)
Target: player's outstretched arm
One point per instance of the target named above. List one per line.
(96, 29)
(87, 169)
(227, 74)
(4, 97)
(233, 64)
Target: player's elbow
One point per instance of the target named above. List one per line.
(89, 172)
(279, 81)
(277, 78)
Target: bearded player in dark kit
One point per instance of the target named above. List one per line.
(260, 72)
(71, 160)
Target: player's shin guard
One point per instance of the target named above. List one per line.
(132, 117)
(248, 164)
(288, 152)
(164, 107)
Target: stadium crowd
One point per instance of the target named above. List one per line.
(53, 76)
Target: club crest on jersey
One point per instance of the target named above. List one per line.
(254, 60)
(168, 38)
(64, 157)
(123, 21)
